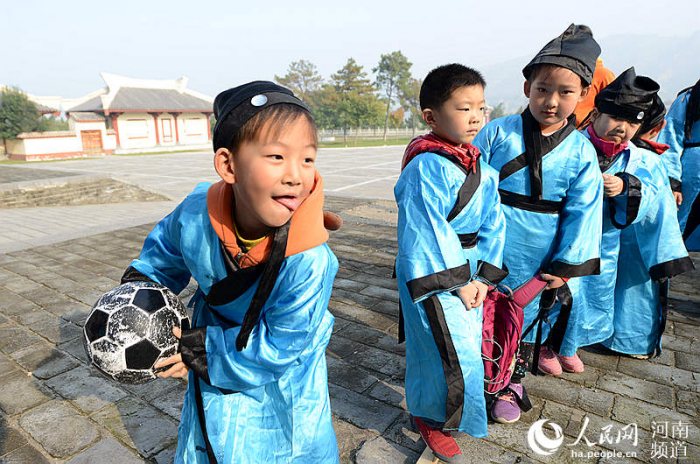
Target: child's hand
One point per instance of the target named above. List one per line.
(612, 185)
(473, 294)
(678, 196)
(553, 281)
(178, 368)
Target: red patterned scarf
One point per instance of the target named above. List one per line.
(467, 154)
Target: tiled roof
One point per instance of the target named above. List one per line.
(142, 99)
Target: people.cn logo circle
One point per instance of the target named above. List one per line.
(541, 443)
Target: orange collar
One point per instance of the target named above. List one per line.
(306, 230)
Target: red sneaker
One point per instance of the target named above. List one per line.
(442, 444)
(549, 362)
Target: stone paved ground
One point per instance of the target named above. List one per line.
(53, 408)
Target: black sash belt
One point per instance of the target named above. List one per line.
(526, 202)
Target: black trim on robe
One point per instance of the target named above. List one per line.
(525, 202)
(538, 145)
(633, 189)
(675, 184)
(691, 144)
(664, 287)
(131, 274)
(468, 240)
(693, 219)
(267, 282)
(671, 268)
(558, 330)
(439, 281)
(562, 269)
(468, 188)
(194, 352)
(454, 378)
(233, 285)
(491, 273)
(512, 166)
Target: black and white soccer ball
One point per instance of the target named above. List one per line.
(130, 328)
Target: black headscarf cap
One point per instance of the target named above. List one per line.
(629, 97)
(234, 107)
(574, 49)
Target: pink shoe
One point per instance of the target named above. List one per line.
(549, 362)
(571, 363)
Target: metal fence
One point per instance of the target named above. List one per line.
(367, 133)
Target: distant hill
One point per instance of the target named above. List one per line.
(672, 61)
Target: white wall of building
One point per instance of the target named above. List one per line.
(192, 128)
(136, 130)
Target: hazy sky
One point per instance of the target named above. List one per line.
(59, 47)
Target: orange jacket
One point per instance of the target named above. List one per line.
(602, 76)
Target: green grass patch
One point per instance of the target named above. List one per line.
(339, 143)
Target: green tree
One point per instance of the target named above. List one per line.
(409, 95)
(499, 111)
(52, 124)
(348, 101)
(302, 78)
(17, 114)
(393, 72)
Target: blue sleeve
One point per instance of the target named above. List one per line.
(161, 257)
(580, 228)
(640, 192)
(485, 140)
(492, 233)
(673, 135)
(660, 240)
(290, 318)
(430, 257)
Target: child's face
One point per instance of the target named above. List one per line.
(612, 129)
(554, 93)
(272, 176)
(459, 119)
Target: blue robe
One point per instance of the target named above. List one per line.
(552, 201)
(269, 402)
(438, 253)
(682, 162)
(594, 299)
(651, 252)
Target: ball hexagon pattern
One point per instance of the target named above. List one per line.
(130, 328)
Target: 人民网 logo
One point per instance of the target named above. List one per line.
(539, 442)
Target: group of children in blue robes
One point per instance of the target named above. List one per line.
(573, 203)
(527, 195)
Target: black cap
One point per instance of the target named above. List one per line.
(629, 97)
(654, 115)
(234, 107)
(575, 49)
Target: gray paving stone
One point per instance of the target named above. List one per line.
(382, 293)
(381, 361)
(107, 451)
(20, 392)
(138, 425)
(10, 438)
(680, 377)
(59, 428)
(390, 391)
(380, 451)
(349, 438)
(88, 389)
(360, 314)
(349, 376)
(167, 456)
(24, 455)
(402, 433)
(13, 338)
(44, 361)
(171, 402)
(628, 411)
(361, 411)
(689, 362)
(637, 388)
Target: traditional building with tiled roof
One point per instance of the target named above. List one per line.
(149, 114)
